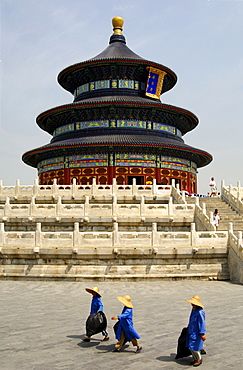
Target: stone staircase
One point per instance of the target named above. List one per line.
(227, 214)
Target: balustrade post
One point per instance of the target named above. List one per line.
(211, 220)
(86, 206)
(170, 207)
(230, 227)
(114, 205)
(203, 207)
(32, 206)
(74, 187)
(35, 188)
(193, 235)
(154, 235)
(17, 188)
(238, 199)
(38, 236)
(115, 234)
(222, 187)
(7, 207)
(76, 235)
(114, 187)
(238, 185)
(54, 188)
(173, 183)
(59, 206)
(2, 234)
(154, 187)
(93, 186)
(239, 240)
(230, 193)
(134, 187)
(142, 206)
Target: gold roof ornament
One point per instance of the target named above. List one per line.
(117, 23)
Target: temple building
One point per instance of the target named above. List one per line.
(117, 126)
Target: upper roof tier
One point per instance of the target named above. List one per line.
(111, 62)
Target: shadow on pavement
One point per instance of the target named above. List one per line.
(110, 347)
(182, 361)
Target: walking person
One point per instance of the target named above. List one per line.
(96, 306)
(196, 329)
(213, 187)
(216, 219)
(125, 330)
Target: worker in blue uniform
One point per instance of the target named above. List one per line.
(125, 330)
(196, 329)
(96, 305)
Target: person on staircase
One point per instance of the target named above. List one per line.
(216, 219)
(213, 187)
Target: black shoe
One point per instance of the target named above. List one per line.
(105, 339)
(116, 350)
(86, 340)
(197, 363)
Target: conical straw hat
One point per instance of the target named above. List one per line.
(195, 300)
(95, 289)
(126, 300)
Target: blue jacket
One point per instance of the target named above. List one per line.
(96, 305)
(126, 324)
(196, 328)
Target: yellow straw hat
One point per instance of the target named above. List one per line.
(126, 300)
(195, 300)
(95, 289)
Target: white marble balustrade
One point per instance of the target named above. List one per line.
(91, 209)
(233, 195)
(113, 238)
(74, 190)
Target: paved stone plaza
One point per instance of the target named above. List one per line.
(42, 324)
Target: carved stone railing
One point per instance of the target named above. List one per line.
(202, 217)
(235, 259)
(89, 208)
(76, 191)
(233, 196)
(112, 239)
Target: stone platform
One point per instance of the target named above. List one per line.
(42, 324)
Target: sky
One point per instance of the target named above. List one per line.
(200, 40)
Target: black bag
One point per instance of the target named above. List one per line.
(115, 327)
(182, 350)
(95, 323)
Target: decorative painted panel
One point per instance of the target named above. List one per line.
(107, 84)
(131, 123)
(138, 160)
(163, 127)
(88, 160)
(65, 128)
(50, 164)
(117, 123)
(92, 124)
(178, 164)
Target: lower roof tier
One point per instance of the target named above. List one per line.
(123, 142)
(117, 107)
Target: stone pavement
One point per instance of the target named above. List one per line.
(42, 324)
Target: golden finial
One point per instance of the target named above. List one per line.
(117, 23)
